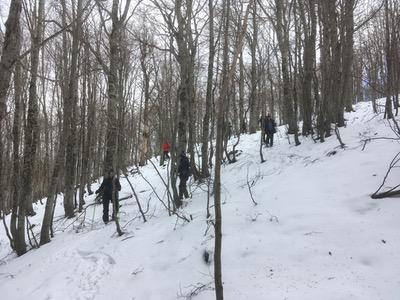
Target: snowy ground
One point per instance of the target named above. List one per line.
(315, 233)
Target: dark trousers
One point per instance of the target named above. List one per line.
(106, 208)
(182, 187)
(270, 139)
(165, 155)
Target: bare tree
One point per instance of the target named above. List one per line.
(10, 52)
(31, 131)
(227, 75)
(145, 54)
(310, 30)
(282, 32)
(254, 93)
(70, 106)
(208, 104)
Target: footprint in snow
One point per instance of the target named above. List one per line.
(91, 267)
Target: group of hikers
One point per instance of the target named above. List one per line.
(184, 171)
(112, 185)
(269, 130)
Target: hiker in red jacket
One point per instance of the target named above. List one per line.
(166, 147)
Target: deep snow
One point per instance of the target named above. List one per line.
(315, 233)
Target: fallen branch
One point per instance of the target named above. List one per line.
(130, 221)
(163, 203)
(396, 130)
(165, 184)
(82, 213)
(29, 228)
(392, 191)
(6, 229)
(387, 194)
(137, 198)
(196, 289)
(137, 270)
(342, 145)
(249, 187)
(377, 138)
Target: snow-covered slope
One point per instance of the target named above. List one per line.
(315, 233)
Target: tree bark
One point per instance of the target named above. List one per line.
(389, 67)
(145, 140)
(10, 52)
(226, 79)
(310, 30)
(70, 119)
(31, 134)
(207, 115)
(18, 88)
(283, 43)
(111, 136)
(348, 55)
(254, 74)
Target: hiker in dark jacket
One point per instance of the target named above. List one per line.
(183, 173)
(270, 129)
(107, 190)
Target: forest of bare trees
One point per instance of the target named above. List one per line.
(90, 85)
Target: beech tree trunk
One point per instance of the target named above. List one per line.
(10, 52)
(31, 133)
(18, 86)
(310, 30)
(70, 118)
(389, 66)
(208, 104)
(283, 43)
(253, 122)
(226, 79)
(145, 140)
(348, 56)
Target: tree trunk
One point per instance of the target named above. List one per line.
(388, 104)
(331, 106)
(10, 52)
(111, 136)
(283, 43)
(70, 118)
(31, 134)
(84, 129)
(207, 115)
(226, 79)
(254, 76)
(144, 52)
(242, 117)
(309, 62)
(18, 88)
(52, 193)
(348, 55)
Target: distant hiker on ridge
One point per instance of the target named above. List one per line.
(270, 129)
(107, 189)
(183, 173)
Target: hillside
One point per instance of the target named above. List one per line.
(314, 234)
